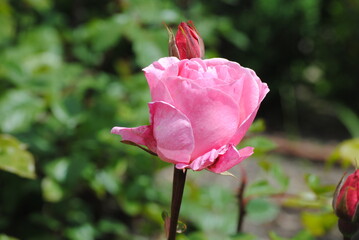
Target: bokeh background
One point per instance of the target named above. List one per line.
(71, 70)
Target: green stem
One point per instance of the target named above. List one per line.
(179, 179)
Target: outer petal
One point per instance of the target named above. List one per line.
(173, 133)
(156, 73)
(246, 122)
(212, 113)
(139, 136)
(205, 160)
(230, 158)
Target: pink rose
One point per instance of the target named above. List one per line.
(200, 111)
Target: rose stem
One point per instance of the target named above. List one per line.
(179, 179)
(241, 202)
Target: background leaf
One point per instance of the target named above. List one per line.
(15, 158)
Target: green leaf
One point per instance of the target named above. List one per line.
(112, 226)
(274, 236)
(39, 5)
(90, 43)
(305, 200)
(18, 110)
(15, 158)
(303, 235)
(7, 29)
(318, 223)
(261, 144)
(85, 231)
(6, 237)
(149, 46)
(260, 210)
(260, 188)
(276, 171)
(315, 185)
(243, 236)
(51, 190)
(350, 119)
(346, 152)
(210, 209)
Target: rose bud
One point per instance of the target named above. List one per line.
(187, 43)
(346, 204)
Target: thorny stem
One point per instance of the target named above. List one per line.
(241, 202)
(179, 179)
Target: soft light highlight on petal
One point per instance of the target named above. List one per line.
(212, 113)
(173, 133)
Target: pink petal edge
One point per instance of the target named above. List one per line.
(230, 158)
(141, 135)
(204, 161)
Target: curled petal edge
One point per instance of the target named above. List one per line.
(137, 136)
(219, 160)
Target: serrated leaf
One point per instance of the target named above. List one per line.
(15, 158)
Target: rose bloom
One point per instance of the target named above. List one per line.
(200, 111)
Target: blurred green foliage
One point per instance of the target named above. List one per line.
(70, 70)
(14, 157)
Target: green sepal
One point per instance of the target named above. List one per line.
(337, 190)
(355, 218)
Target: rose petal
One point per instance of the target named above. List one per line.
(216, 61)
(230, 158)
(173, 133)
(212, 113)
(139, 136)
(203, 161)
(156, 73)
(246, 122)
(243, 128)
(156, 70)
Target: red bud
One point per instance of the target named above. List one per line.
(187, 43)
(346, 203)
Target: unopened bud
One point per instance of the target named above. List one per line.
(187, 43)
(346, 204)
